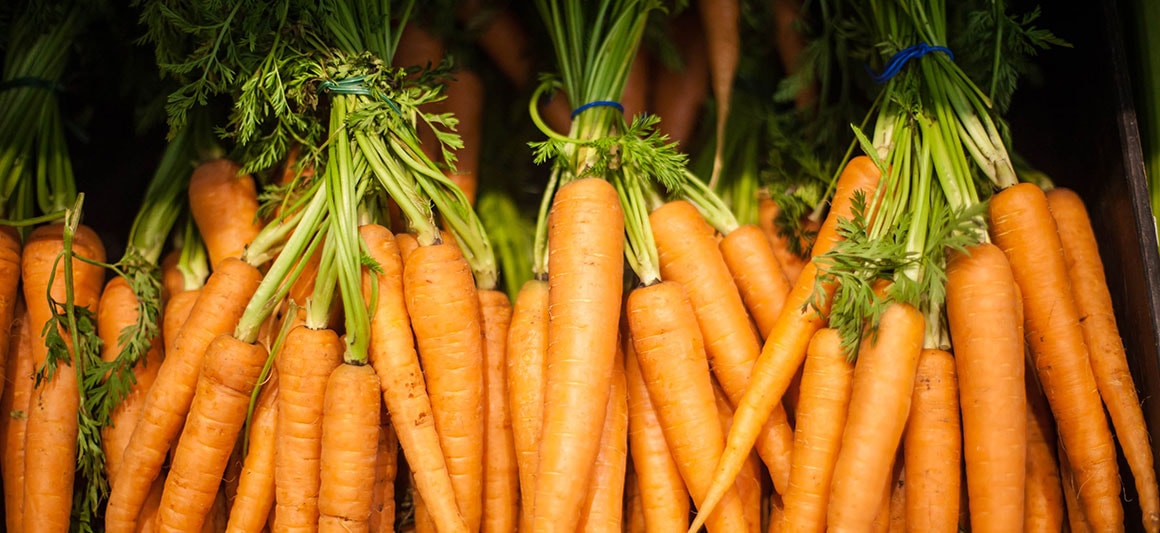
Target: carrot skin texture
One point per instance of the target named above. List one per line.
(672, 360)
(50, 440)
(932, 446)
(501, 487)
(585, 270)
(783, 352)
(657, 476)
(604, 504)
(393, 356)
(821, 417)
(255, 497)
(305, 362)
(438, 285)
(1022, 226)
(1108, 360)
(879, 404)
(1076, 521)
(216, 416)
(386, 468)
(791, 263)
(216, 312)
(13, 410)
(526, 348)
(749, 479)
(224, 206)
(757, 273)
(176, 313)
(350, 442)
(1043, 508)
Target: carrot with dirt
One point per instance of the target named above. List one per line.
(820, 420)
(1108, 360)
(14, 403)
(501, 487)
(932, 449)
(604, 504)
(1022, 226)
(255, 497)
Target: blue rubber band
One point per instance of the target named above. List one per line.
(31, 82)
(894, 66)
(597, 103)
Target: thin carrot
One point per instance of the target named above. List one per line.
(305, 362)
(879, 404)
(444, 308)
(172, 280)
(776, 514)
(678, 95)
(749, 479)
(721, 22)
(407, 243)
(1076, 521)
(1043, 507)
(527, 344)
(216, 415)
(585, 270)
(672, 358)
(465, 100)
(224, 204)
(50, 441)
(10, 251)
(501, 482)
(14, 403)
(820, 419)
(255, 496)
(216, 311)
(791, 263)
(1108, 360)
(757, 273)
(350, 449)
(933, 446)
(393, 356)
(386, 469)
(176, 312)
(1022, 226)
(147, 520)
(657, 475)
(791, 44)
(782, 354)
(604, 504)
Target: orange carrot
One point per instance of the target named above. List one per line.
(50, 441)
(1108, 360)
(791, 263)
(501, 486)
(791, 44)
(721, 22)
(216, 312)
(1076, 521)
(749, 479)
(406, 243)
(1022, 226)
(224, 205)
(176, 313)
(604, 504)
(776, 514)
(782, 354)
(1043, 507)
(672, 360)
(933, 446)
(526, 346)
(386, 468)
(585, 270)
(821, 418)
(216, 416)
(305, 362)
(657, 475)
(147, 520)
(350, 449)
(10, 251)
(118, 310)
(757, 273)
(678, 95)
(636, 89)
(633, 506)
(465, 99)
(444, 308)
(172, 280)
(393, 356)
(897, 522)
(255, 496)
(879, 404)
(14, 405)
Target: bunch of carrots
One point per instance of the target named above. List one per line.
(309, 331)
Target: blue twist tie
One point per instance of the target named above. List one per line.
(597, 103)
(894, 66)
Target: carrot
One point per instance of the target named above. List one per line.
(776, 514)
(255, 496)
(501, 486)
(1076, 521)
(636, 89)
(444, 308)
(585, 270)
(821, 418)
(172, 280)
(689, 255)
(1022, 226)
(677, 95)
(393, 356)
(406, 243)
(782, 354)
(933, 446)
(749, 479)
(305, 362)
(791, 44)
(879, 404)
(526, 346)
(760, 280)
(350, 440)
(1043, 507)
(423, 522)
(897, 522)
(1108, 360)
(147, 520)
(671, 355)
(465, 100)
(633, 506)
(228, 376)
(10, 251)
(216, 311)
(118, 310)
(14, 404)
(176, 313)
(604, 504)
(659, 480)
(791, 263)
(721, 22)
(386, 468)
(50, 440)
(224, 205)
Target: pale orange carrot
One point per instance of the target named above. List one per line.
(350, 449)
